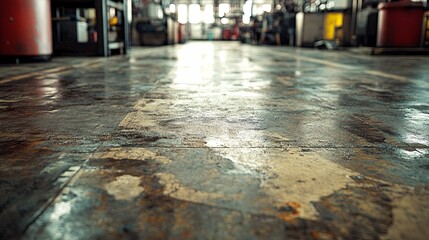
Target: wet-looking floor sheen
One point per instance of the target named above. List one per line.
(216, 140)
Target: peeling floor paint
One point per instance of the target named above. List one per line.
(293, 176)
(131, 153)
(285, 176)
(125, 187)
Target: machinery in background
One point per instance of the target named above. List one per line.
(152, 25)
(70, 27)
(273, 28)
(155, 24)
(367, 25)
(231, 31)
(324, 23)
(396, 24)
(90, 27)
(25, 30)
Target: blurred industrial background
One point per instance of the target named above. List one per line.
(106, 27)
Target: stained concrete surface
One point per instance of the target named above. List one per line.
(214, 140)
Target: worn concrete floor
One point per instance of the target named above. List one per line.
(215, 141)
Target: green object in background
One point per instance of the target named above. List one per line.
(210, 35)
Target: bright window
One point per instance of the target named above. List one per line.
(182, 12)
(172, 8)
(257, 10)
(223, 9)
(266, 7)
(194, 13)
(208, 14)
(247, 10)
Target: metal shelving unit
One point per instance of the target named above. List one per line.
(102, 46)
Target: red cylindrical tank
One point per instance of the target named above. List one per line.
(226, 34)
(25, 28)
(400, 24)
